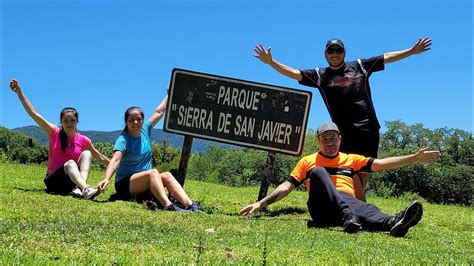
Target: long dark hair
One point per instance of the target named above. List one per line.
(62, 134)
(127, 114)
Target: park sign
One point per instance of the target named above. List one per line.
(237, 112)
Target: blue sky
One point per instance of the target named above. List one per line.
(103, 56)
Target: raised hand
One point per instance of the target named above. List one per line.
(422, 45)
(14, 86)
(264, 55)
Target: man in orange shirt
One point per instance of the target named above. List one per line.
(328, 174)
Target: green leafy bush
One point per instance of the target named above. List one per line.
(448, 181)
(20, 148)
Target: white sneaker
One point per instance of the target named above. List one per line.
(76, 192)
(90, 193)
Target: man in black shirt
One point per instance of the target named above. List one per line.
(344, 87)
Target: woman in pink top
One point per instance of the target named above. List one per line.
(70, 153)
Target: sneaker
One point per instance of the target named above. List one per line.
(351, 223)
(76, 192)
(90, 193)
(150, 205)
(195, 207)
(406, 219)
(174, 208)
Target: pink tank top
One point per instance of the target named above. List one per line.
(75, 146)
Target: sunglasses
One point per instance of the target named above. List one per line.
(335, 50)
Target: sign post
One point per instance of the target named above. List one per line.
(267, 175)
(183, 162)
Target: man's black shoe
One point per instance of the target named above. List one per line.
(406, 219)
(351, 223)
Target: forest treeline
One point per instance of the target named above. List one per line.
(449, 180)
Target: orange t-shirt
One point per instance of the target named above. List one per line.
(341, 168)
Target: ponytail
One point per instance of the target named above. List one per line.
(63, 139)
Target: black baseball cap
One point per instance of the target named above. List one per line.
(327, 126)
(335, 41)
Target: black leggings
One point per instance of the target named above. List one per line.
(326, 204)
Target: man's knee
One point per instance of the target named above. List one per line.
(319, 173)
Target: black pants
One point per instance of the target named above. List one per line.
(326, 205)
(363, 143)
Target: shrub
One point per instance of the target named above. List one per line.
(450, 180)
(435, 183)
(453, 184)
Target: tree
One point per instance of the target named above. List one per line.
(448, 181)
(163, 153)
(20, 148)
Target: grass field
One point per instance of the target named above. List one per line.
(37, 228)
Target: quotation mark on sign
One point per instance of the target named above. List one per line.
(298, 129)
(174, 107)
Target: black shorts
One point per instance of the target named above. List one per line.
(122, 187)
(58, 182)
(362, 143)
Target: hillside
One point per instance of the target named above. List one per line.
(157, 135)
(42, 229)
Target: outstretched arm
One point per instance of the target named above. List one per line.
(30, 109)
(422, 45)
(103, 160)
(421, 156)
(109, 172)
(159, 112)
(280, 192)
(266, 57)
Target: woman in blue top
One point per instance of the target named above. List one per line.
(132, 163)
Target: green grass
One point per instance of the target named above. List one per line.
(37, 228)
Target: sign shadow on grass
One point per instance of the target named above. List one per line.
(30, 189)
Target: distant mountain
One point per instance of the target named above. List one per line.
(157, 135)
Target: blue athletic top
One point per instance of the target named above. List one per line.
(136, 152)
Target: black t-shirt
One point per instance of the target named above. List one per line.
(346, 93)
